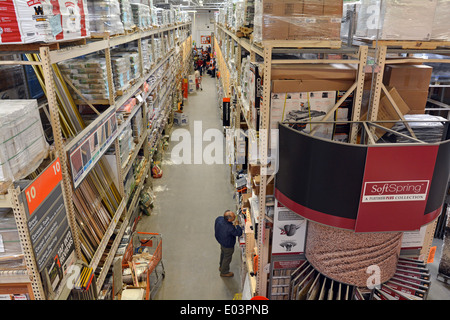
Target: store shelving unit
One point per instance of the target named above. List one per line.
(264, 53)
(369, 61)
(147, 141)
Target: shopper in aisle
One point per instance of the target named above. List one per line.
(200, 63)
(226, 229)
(198, 78)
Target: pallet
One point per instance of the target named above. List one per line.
(407, 44)
(33, 47)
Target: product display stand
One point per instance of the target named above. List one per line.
(49, 56)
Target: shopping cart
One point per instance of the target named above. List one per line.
(145, 244)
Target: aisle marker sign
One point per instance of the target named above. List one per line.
(38, 191)
(50, 234)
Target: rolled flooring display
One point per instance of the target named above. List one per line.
(352, 258)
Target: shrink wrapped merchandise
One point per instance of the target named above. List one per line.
(349, 18)
(11, 254)
(430, 132)
(105, 16)
(257, 22)
(89, 76)
(441, 24)
(23, 145)
(121, 70)
(157, 42)
(43, 21)
(141, 15)
(301, 20)
(147, 55)
(396, 19)
(298, 20)
(126, 14)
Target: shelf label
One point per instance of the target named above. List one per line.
(39, 190)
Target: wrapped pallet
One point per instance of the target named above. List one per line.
(105, 17)
(22, 141)
(441, 22)
(43, 21)
(299, 20)
(396, 19)
(88, 74)
(11, 254)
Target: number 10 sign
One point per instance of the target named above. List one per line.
(47, 218)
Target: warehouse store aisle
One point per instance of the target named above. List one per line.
(189, 197)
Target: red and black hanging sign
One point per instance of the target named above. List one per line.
(363, 188)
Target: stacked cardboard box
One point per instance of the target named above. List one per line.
(43, 21)
(411, 82)
(396, 19)
(301, 20)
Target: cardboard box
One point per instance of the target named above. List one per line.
(282, 86)
(256, 182)
(333, 8)
(416, 100)
(386, 110)
(254, 170)
(274, 26)
(43, 21)
(336, 71)
(313, 8)
(408, 77)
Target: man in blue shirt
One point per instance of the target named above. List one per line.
(226, 230)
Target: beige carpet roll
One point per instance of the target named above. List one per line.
(353, 258)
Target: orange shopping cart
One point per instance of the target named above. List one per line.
(145, 251)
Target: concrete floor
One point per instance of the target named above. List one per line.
(189, 197)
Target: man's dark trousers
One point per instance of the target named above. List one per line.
(225, 259)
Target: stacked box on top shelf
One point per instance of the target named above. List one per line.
(104, 17)
(404, 20)
(298, 20)
(43, 21)
(88, 74)
(22, 141)
(141, 15)
(126, 14)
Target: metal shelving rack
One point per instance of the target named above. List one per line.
(48, 57)
(359, 55)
